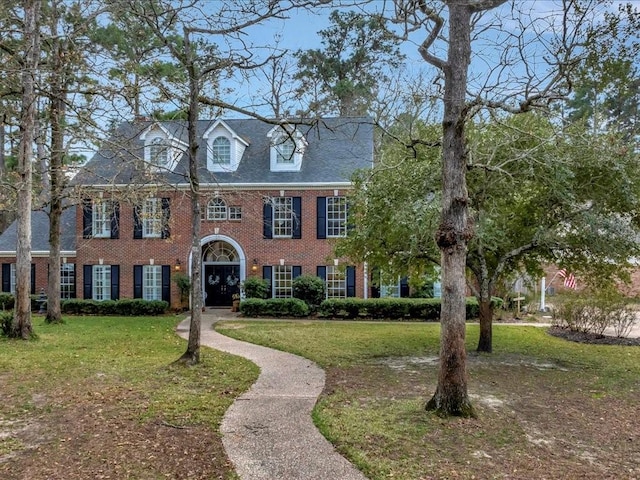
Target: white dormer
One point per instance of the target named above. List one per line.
(162, 151)
(224, 148)
(287, 148)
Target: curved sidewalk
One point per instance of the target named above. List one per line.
(267, 432)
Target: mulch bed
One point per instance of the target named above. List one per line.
(583, 337)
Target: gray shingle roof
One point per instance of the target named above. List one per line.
(336, 148)
(40, 232)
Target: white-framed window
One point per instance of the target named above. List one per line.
(282, 281)
(285, 150)
(225, 148)
(221, 151)
(101, 218)
(235, 213)
(12, 284)
(158, 153)
(152, 282)
(282, 216)
(101, 282)
(390, 290)
(67, 280)
(336, 282)
(336, 217)
(152, 218)
(217, 209)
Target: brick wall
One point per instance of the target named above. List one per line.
(307, 252)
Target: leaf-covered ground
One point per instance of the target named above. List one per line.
(548, 408)
(99, 398)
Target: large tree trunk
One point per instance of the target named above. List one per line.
(57, 100)
(192, 355)
(451, 396)
(2, 135)
(22, 327)
(485, 341)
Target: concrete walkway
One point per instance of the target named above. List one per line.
(268, 433)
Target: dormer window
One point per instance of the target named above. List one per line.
(161, 149)
(224, 148)
(221, 151)
(287, 149)
(158, 153)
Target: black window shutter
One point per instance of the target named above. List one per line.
(404, 287)
(266, 274)
(267, 220)
(137, 222)
(166, 283)
(115, 282)
(166, 212)
(296, 271)
(115, 220)
(6, 277)
(87, 218)
(73, 293)
(87, 282)
(375, 281)
(321, 217)
(321, 271)
(296, 204)
(137, 281)
(33, 279)
(351, 281)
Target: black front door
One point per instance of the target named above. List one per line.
(220, 283)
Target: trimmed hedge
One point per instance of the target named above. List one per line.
(7, 301)
(274, 307)
(6, 319)
(125, 307)
(310, 289)
(410, 309)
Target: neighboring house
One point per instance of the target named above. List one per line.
(40, 254)
(273, 200)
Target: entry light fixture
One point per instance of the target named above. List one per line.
(254, 267)
(178, 265)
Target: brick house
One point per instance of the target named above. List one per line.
(272, 204)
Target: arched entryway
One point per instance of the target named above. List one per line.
(223, 269)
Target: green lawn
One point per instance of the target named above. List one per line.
(548, 408)
(100, 396)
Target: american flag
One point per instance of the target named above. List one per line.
(569, 279)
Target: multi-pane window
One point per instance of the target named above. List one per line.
(221, 151)
(102, 282)
(235, 213)
(152, 282)
(336, 216)
(282, 216)
(282, 281)
(152, 218)
(216, 209)
(158, 153)
(285, 150)
(101, 218)
(12, 284)
(336, 282)
(67, 280)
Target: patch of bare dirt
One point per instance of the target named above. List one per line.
(98, 437)
(536, 422)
